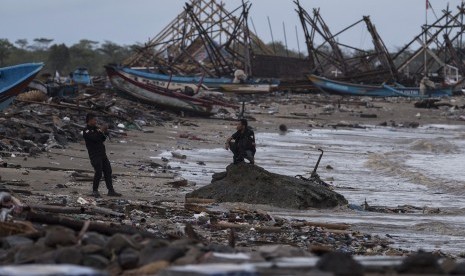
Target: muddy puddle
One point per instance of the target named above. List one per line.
(388, 167)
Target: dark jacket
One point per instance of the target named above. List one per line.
(245, 141)
(94, 141)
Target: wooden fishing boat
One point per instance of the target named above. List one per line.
(173, 82)
(14, 79)
(173, 99)
(383, 90)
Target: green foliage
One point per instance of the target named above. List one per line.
(59, 57)
(41, 44)
(5, 50)
(22, 43)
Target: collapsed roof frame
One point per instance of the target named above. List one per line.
(440, 34)
(348, 67)
(395, 67)
(208, 23)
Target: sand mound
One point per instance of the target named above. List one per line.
(253, 184)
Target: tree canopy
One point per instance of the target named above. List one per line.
(60, 57)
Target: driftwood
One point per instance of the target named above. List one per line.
(15, 183)
(195, 207)
(262, 229)
(335, 226)
(76, 210)
(83, 179)
(15, 191)
(199, 200)
(198, 204)
(178, 183)
(104, 211)
(58, 209)
(103, 228)
(31, 124)
(17, 153)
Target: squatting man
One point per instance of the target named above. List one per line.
(244, 143)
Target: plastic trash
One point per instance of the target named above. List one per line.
(49, 270)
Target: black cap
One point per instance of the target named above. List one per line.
(89, 117)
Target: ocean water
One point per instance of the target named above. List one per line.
(383, 166)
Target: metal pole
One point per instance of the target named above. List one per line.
(253, 26)
(298, 43)
(271, 32)
(285, 39)
(317, 163)
(425, 39)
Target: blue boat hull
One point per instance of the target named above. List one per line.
(175, 82)
(344, 88)
(14, 79)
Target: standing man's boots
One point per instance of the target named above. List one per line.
(113, 193)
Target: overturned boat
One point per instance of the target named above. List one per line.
(383, 90)
(14, 79)
(139, 87)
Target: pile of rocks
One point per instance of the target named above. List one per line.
(134, 255)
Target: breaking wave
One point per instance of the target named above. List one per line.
(437, 145)
(438, 227)
(393, 164)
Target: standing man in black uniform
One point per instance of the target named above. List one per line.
(244, 143)
(94, 138)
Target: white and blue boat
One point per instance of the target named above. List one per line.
(383, 90)
(176, 82)
(176, 100)
(14, 79)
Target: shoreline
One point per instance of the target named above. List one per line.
(145, 181)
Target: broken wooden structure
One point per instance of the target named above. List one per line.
(335, 59)
(206, 39)
(437, 50)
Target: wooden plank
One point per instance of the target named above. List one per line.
(31, 124)
(103, 228)
(336, 226)
(199, 200)
(263, 229)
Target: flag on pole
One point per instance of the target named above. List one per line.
(428, 5)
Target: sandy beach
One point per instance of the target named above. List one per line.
(63, 176)
(130, 153)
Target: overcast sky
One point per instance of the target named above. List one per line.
(128, 22)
